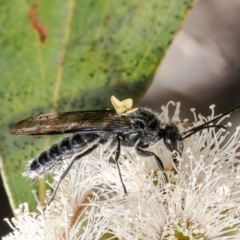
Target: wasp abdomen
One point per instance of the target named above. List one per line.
(57, 153)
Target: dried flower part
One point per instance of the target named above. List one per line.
(201, 200)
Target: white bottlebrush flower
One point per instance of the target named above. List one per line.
(201, 200)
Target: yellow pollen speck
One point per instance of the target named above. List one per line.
(123, 107)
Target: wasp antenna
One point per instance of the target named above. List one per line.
(193, 130)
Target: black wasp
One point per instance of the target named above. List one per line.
(139, 128)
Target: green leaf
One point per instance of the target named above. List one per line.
(73, 55)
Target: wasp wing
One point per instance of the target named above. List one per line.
(69, 122)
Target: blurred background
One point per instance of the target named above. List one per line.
(201, 67)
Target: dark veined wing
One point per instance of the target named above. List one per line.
(69, 122)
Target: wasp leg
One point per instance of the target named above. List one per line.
(118, 151)
(159, 162)
(175, 161)
(78, 157)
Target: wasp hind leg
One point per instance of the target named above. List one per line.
(76, 158)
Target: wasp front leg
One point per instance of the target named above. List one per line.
(173, 141)
(159, 162)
